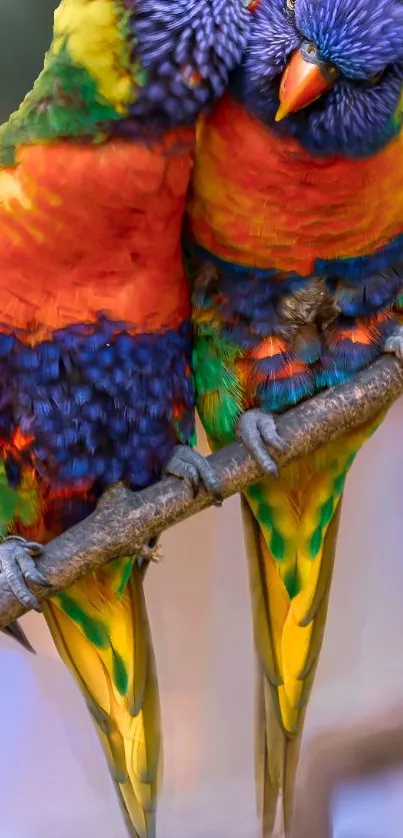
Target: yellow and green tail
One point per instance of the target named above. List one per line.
(101, 631)
(291, 526)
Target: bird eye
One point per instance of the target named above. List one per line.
(291, 5)
(373, 80)
(376, 78)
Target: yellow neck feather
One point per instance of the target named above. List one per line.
(93, 32)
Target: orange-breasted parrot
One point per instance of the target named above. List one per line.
(295, 249)
(95, 334)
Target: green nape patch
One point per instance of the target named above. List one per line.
(120, 674)
(94, 630)
(64, 102)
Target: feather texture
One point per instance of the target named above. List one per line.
(96, 388)
(95, 338)
(100, 628)
(290, 525)
(294, 249)
(269, 202)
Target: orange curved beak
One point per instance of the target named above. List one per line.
(302, 83)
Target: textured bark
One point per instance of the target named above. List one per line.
(124, 520)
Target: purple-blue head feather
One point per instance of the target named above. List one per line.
(363, 39)
(186, 49)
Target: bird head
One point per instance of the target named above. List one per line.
(329, 72)
(186, 49)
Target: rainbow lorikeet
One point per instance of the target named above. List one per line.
(295, 249)
(95, 336)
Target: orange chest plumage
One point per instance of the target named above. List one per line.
(261, 200)
(85, 229)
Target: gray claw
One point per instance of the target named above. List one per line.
(17, 563)
(148, 554)
(394, 343)
(195, 470)
(257, 429)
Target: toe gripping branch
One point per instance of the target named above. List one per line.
(258, 430)
(394, 343)
(195, 470)
(125, 520)
(17, 563)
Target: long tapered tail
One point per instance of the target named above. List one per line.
(278, 744)
(101, 630)
(15, 631)
(291, 526)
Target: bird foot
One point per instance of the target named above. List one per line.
(17, 563)
(195, 470)
(394, 343)
(148, 553)
(257, 430)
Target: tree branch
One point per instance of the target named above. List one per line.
(124, 520)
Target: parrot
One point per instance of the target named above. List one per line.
(294, 248)
(95, 332)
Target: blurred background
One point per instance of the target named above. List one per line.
(53, 780)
